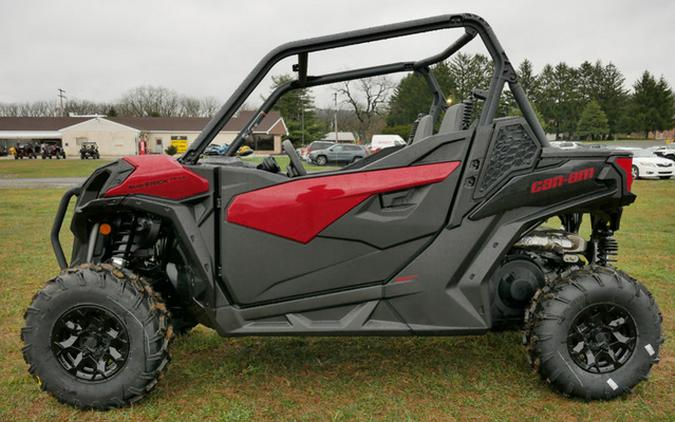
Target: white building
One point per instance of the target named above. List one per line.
(116, 136)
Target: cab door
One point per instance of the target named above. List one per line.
(283, 238)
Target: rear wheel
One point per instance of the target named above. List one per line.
(97, 337)
(594, 334)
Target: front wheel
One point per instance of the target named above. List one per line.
(321, 160)
(97, 337)
(635, 173)
(593, 334)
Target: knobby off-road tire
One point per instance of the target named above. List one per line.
(82, 364)
(573, 323)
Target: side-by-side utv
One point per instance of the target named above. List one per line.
(444, 235)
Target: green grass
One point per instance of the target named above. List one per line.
(47, 168)
(21, 169)
(401, 378)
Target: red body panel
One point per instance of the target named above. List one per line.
(161, 176)
(301, 209)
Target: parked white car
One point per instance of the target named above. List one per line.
(565, 145)
(379, 142)
(647, 165)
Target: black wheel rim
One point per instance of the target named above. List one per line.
(90, 343)
(602, 338)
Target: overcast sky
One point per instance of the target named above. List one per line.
(98, 49)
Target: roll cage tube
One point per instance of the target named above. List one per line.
(503, 72)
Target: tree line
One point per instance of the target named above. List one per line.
(143, 101)
(589, 101)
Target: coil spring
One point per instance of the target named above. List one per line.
(607, 250)
(468, 114)
(122, 237)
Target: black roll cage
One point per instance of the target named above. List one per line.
(503, 72)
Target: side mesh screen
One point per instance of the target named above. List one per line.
(512, 148)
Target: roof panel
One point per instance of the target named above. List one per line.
(172, 124)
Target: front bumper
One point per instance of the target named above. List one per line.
(656, 172)
(58, 222)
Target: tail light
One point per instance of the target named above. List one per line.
(626, 163)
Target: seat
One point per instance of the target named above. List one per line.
(425, 128)
(453, 120)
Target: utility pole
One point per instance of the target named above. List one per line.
(336, 113)
(62, 96)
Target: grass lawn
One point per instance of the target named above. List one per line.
(321, 378)
(22, 169)
(10, 169)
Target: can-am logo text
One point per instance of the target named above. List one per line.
(558, 181)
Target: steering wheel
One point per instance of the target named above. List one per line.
(295, 168)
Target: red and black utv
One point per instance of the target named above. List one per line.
(441, 236)
(52, 150)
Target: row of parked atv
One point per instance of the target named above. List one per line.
(28, 151)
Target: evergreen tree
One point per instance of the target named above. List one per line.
(469, 72)
(593, 121)
(588, 81)
(559, 99)
(528, 81)
(652, 104)
(297, 109)
(412, 96)
(526, 78)
(612, 96)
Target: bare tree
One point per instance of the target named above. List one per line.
(189, 107)
(81, 107)
(367, 98)
(209, 106)
(144, 101)
(149, 101)
(9, 109)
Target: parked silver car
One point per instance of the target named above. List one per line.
(338, 153)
